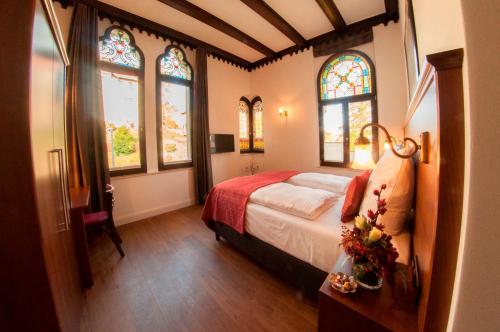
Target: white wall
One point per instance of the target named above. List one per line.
(477, 291)
(226, 85)
(291, 83)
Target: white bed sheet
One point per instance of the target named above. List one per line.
(313, 241)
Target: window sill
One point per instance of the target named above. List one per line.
(250, 152)
(127, 171)
(153, 173)
(162, 167)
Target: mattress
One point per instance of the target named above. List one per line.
(316, 242)
(313, 241)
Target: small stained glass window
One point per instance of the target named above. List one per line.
(173, 64)
(258, 130)
(117, 48)
(344, 76)
(244, 117)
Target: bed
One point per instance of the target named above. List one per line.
(300, 249)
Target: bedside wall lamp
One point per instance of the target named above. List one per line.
(283, 112)
(363, 153)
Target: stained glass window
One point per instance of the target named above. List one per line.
(344, 76)
(244, 117)
(122, 84)
(258, 130)
(174, 121)
(173, 64)
(347, 102)
(117, 48)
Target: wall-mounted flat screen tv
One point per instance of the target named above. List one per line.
(220, 143)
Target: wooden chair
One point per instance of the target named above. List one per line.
(104, 219)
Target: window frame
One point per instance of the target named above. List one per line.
(139, 72)
(254, 101)
(159, 132)
(250, 104)
(250, 126)
(344, 101)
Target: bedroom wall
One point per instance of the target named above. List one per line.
(144, 195)
(476, 306)
(291, 83)
(226, 85)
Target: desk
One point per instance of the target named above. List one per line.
(79, 198)
(366, 310)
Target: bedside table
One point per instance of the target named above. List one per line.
(366, 310)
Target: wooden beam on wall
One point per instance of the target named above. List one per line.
(160, 31)
(270, 15)
(332, 12)
(215, 22)
(353, 34)
(392, 9)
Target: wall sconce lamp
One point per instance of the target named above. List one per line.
(363, 153)
(283, 112)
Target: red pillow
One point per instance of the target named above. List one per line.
(354, 195)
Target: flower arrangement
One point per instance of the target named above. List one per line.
(373, 254)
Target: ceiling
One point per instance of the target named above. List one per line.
(305, 16)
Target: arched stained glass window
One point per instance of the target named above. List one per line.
(244, 119)
(174, 108)
(347, 101)
(346, 75)
(251, 116)
(117, 47)
(173, 64)
(122, 77)
(257, 122)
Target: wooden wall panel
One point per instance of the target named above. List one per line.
(438, 107)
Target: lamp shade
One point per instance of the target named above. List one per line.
(363, 157)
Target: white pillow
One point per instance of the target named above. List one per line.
(399, 176)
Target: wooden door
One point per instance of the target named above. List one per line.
(48, 150)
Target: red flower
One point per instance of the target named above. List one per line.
(384, 186)
(382, 210)
(381, 203)
(376, 192)
(371, 214)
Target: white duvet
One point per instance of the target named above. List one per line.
(299, 201)
(328, 182)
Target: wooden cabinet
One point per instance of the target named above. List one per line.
(49, 165)
(39, 278)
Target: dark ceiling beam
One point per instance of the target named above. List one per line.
(270, 15)
(391, 9)
(215, 22)
(160, 31)
(332, 12)
(353, 32)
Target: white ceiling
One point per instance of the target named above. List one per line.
(304, 15)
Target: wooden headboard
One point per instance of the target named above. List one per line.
(438, 107)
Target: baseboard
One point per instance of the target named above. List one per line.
(136, 216)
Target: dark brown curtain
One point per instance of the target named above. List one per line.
(87, 158)
(201, 133)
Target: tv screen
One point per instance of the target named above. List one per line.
(220, 143)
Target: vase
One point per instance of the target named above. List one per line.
(367, 275)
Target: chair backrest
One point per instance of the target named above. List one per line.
(109, 199)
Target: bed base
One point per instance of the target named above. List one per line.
(293, 270)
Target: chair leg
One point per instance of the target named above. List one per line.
(111, 225)
(113, 234)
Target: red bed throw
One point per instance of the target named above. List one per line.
(227, 201)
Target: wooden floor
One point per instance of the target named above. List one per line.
(176, 277)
